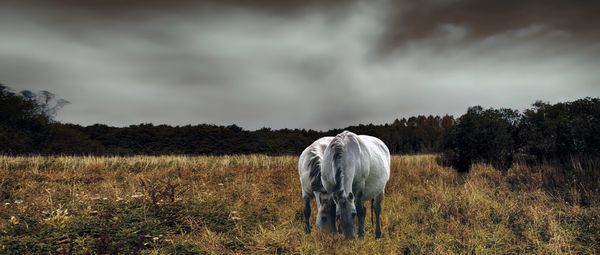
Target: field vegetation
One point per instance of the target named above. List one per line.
(252, 204)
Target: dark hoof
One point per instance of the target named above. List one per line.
(307, 230)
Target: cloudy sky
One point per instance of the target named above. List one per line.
(297, 64)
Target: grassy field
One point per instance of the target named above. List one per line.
(252, 204)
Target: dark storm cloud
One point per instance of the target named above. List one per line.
(305, 64)
(132, 9)
(412, 20)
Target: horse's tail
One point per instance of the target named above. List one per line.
(338, 151)
(314, 165)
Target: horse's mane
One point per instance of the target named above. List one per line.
(314, 165)
(337, 144)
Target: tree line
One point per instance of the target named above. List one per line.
(547, 132)
(543, 131)
(26, 127)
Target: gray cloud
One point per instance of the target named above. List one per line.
(303, 65)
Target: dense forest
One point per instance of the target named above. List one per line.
(543, 131)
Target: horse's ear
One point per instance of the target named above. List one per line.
(350, 196)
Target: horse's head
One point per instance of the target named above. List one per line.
(326, 213)
(346, 212)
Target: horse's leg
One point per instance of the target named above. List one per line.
(378, 200)
(361, 212)
(306, 199)
(372, 200)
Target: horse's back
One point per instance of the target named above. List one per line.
(379, 151)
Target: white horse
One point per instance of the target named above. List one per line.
(356, 169)
(309, 169)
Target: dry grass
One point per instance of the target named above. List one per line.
(252, 204)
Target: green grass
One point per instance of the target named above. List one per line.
(252, 204)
